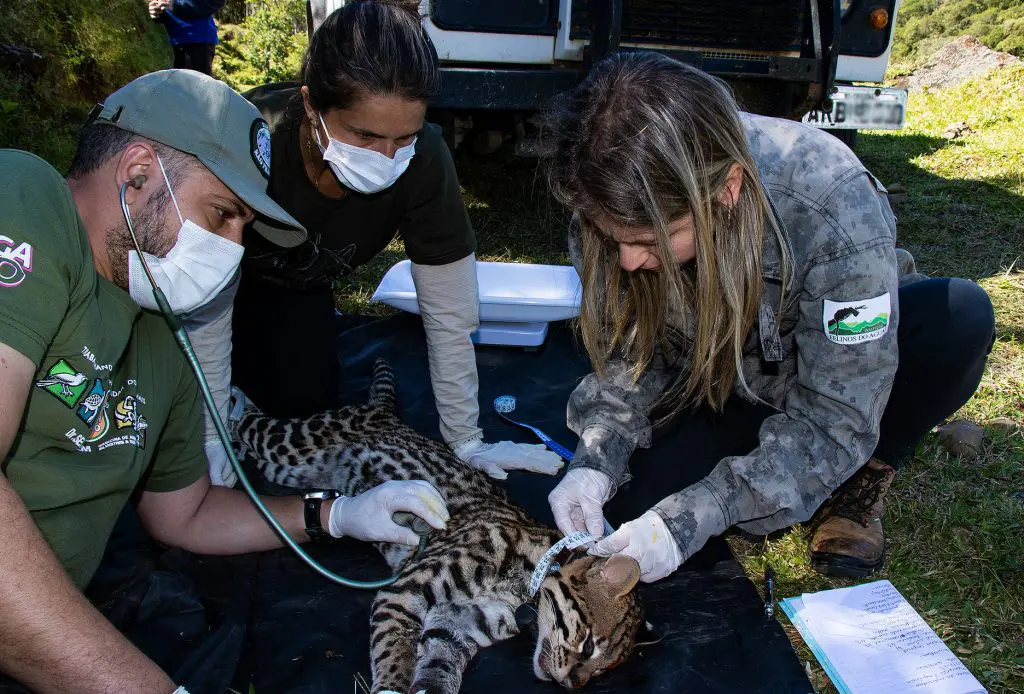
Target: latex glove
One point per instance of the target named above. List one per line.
(221, 472)
(578, 500)
(496, 458)
(648, 541)
(367, 516)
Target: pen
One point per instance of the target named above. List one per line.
(769, 592)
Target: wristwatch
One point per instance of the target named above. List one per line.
(312, 500)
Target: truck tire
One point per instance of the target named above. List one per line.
(847, 137)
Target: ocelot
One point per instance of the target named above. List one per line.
(462, 593)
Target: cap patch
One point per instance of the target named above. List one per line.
(259, 146)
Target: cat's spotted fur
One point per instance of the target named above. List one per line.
(462, 593)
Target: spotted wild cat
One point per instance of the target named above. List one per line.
(462, 593)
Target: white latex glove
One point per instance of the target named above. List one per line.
(367, 516)
(648, 541)
(496, 458)
(221, 472)
(578, 500)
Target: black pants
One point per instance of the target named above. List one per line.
(946, 330)
(194, 56)
(284, 352)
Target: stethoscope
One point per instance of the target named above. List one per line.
(178, 330)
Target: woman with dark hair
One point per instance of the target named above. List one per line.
(352, 159)
(741, 287)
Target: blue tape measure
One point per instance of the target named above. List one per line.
(504, 404)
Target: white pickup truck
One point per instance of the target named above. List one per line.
(503, 59)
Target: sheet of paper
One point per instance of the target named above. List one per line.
(875, 643)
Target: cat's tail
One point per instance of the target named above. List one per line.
(382, 387)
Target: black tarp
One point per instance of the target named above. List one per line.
(269, 622)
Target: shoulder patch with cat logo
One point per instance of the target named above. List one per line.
(851, 322)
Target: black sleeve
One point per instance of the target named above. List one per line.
(196, 9)
(435, 226)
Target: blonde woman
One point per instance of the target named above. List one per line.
(743, 308)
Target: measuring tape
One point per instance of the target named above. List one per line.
(504, 404)
(545, 566)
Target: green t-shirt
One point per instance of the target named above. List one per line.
(112, 402)
(424, 207)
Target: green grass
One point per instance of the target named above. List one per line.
(955, 526)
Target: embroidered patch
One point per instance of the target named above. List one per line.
(64, 382)
(94, 402)
(100, 426)
(15, 262)
(259, 146)
(126, 412)
(851, 322)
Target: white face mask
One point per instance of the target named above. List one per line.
(198, 266)
(364, 170)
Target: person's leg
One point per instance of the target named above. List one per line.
(946, 330)
(685, 453)
(284, 351)
(202, 58)
(182, 59)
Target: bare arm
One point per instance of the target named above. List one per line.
(51, 638)
(206, 519)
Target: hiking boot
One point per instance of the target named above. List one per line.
(847, 538)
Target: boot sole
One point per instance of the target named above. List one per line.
(844, 566)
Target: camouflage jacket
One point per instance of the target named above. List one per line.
(825, 361)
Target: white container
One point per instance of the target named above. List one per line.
(517, 300)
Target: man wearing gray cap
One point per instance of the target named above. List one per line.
(96, 402)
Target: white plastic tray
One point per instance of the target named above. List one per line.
(510, 294)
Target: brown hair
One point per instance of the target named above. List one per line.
(643, 141)
(370, 47)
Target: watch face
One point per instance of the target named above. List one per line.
(322, 494)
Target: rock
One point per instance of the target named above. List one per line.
(1003, 425)
(896, 193)
(959, 60)
(961, 437)
(955, 130)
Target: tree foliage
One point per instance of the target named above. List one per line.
(923, 25)
(270, 28)
(71, 54)
(266, 46)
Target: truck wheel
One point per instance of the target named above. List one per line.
(847, 137)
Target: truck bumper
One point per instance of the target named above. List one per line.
(506, 89)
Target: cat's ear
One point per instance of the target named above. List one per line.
(619, 574)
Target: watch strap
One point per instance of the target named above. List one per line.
(312, 501)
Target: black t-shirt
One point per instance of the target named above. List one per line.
(424, 206)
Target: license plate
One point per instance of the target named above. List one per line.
(862, 108)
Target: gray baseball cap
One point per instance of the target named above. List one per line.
(199, 115)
